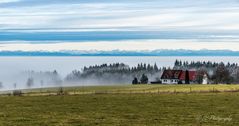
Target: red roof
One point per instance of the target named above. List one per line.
(171, 74)
(192, 75)
(178, 74)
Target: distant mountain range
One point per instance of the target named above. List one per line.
(161, 52)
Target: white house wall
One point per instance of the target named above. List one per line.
(169, 81)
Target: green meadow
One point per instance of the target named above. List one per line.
(134, 89)
(130, 105)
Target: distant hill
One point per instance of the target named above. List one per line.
(162, 52)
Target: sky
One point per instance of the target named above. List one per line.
(55, 25)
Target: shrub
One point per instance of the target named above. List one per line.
(61, 91)
(17, 93)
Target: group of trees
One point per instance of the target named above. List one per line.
(143, 73)
(143, 80)
(36, 79)
(140, 74)
(217, 73)
(115, 73)
(222, 75)
(178, 64)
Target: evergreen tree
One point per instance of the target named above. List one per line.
(135, 81)
(144, 79)
(176, 63)
(187, 81)
(156, 67)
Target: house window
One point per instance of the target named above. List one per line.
(171, 80)
(165, 80)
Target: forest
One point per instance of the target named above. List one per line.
(120, 73)
(218, 73)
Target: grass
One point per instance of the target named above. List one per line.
(123, 109)
(135, 89)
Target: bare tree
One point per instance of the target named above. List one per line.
(1, 85)
(30, 82)
(15, 85)
(222, 75)
(42, 83)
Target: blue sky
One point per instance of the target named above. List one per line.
(54, 25)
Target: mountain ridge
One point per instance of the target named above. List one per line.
(160, 52)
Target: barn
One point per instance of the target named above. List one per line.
(178, 77)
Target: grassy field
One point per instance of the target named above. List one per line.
(134, 89)
(132, 109)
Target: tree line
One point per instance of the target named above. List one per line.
(114, 73)
(142, 73)
(217, 73)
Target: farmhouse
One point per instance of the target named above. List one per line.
(178, 77)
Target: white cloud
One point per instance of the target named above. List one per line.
(183, 15)
(9, 1)
(218, 14)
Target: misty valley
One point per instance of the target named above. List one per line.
(72, 71)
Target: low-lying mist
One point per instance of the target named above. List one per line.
(40, 72)
(104, 74)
